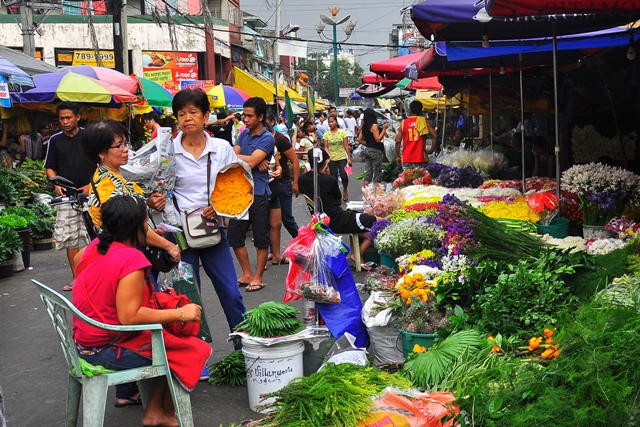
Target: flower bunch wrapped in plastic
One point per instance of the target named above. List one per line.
(382, 278)
(519, 210)
(604, 191)
(378, 202)
(623, 228)
(407, 263)
(408, 237)
(415, 176)
(484, 161)
(545, 204)
(454, 177)
(457, 225)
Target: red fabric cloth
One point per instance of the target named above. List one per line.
(101, 273)
(99, 282)
(412, 142)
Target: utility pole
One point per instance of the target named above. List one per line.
(276, 56)
(120, 40)
(26, 23)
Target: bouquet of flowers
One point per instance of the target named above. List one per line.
(415, 304)
(484, 161)
(408, 237)
(623, 228)
(407, 263)
(604, 191)
(454, 177)
(545, 204)
(415, 176)
(378, 202)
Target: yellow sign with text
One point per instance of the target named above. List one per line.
(158, 76)
(88, 57)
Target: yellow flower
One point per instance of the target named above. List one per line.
(515, 210)
(233, 193)
(419, 349)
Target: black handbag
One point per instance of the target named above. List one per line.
(159, 258)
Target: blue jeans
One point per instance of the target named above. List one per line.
(286, 198)
(218, 265)
(118, 359)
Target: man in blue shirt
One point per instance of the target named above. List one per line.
(255, 146)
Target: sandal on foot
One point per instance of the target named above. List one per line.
(68, 287)
(128, 402)
(242, 284)
(283, 260)
(255, 287)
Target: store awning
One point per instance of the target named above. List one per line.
(256, 87)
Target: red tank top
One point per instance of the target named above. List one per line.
(413, 143)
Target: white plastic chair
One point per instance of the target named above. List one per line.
(93, 390)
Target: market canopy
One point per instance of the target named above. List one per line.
(19, 68)
(537, 7)
(396, 68)
(256, 87)
(469, 20)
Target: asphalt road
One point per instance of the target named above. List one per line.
(33, 373)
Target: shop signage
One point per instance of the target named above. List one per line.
(169, 68)
(67, 57)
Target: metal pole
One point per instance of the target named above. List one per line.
(491, 107)
(336, 86)
(275, 77)
(26, 24)
(524, 184)
(316, 154)
(555, 103)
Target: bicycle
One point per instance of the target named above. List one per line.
(78, 201)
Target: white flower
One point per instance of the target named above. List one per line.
(576, 244)
(604, 246)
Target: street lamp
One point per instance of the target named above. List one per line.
(276, 60)
(348, 29)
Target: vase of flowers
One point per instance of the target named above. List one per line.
(604, 192)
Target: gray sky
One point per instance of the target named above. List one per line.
(374, 18)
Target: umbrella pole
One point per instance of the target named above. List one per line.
(316, 154)
(556, 112)
(491, 107)
(524, 184)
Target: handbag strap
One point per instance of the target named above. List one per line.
(175, 200)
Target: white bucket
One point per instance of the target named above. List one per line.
(269, 368)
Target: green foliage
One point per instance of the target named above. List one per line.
(427, 369)
(42, 210)
(390, 171)
(230, 371)
(22, 183)
(271, 319)
(22, 211)
(338, 395)
(40, 227)
(10, 242)
(37, 165)
(599, 270)
(527, 295)
(8, 191)
(14, 221)
(321, 75)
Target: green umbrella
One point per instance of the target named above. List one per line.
(154, 94)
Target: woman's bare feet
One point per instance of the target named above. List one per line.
(159, 419)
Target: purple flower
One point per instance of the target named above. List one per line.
(377, 227)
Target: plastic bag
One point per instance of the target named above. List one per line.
(184, 282)
(412, 409)
(309, 273)
(348, 169)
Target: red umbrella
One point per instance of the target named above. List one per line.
(394, 68)
(512, 8)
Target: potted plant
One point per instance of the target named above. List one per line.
(604, 192)
(42, 233)
(20, 225)
(406, 237)
(10, 242)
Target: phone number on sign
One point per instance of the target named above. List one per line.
(90, 56)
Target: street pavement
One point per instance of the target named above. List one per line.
(33, 373)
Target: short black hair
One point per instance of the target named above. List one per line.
(259, 106)
(43, 126)
(238, 116)
(325, 156)
(271, 117)
(332, 107)
(123, 218)
(68, 105)
(196, 97)
(152, 115)
(98, 136)
(415, 107)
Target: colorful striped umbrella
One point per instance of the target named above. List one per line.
(52, 87)
(222, 96)
(107, 75)
(154, 94)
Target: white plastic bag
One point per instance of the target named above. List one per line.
(371, 317)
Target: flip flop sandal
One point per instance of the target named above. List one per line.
(68, 287)
(283, 260)
(243, 284)
(128, 402)
(255, 287)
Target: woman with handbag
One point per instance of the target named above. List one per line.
(106, 142)
(199, 158)
(112, 287)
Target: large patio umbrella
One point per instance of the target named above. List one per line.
(69, 86)
(107, 75)
(222, 96)
(154, 94)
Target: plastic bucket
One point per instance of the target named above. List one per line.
(269, 368)
(558, 228)
(410, 339)
(388, 261)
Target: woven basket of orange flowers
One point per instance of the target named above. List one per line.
(232, 193)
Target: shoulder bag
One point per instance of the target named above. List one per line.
(199, 231)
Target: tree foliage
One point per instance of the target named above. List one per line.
(321, 76)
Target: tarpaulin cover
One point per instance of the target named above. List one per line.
(394, 68)
(539, 7)
(469, 20)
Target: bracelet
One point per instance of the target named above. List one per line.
(181, 312)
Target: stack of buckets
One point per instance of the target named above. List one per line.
(269, 368)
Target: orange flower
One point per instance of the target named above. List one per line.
(547, 353)
(496, 349)
(534, 343)
(548, 341)
(233, 193)
(419, 349)
(548, 332)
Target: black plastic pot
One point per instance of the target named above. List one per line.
(24, 234)
(43, 243)
(6, 268)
